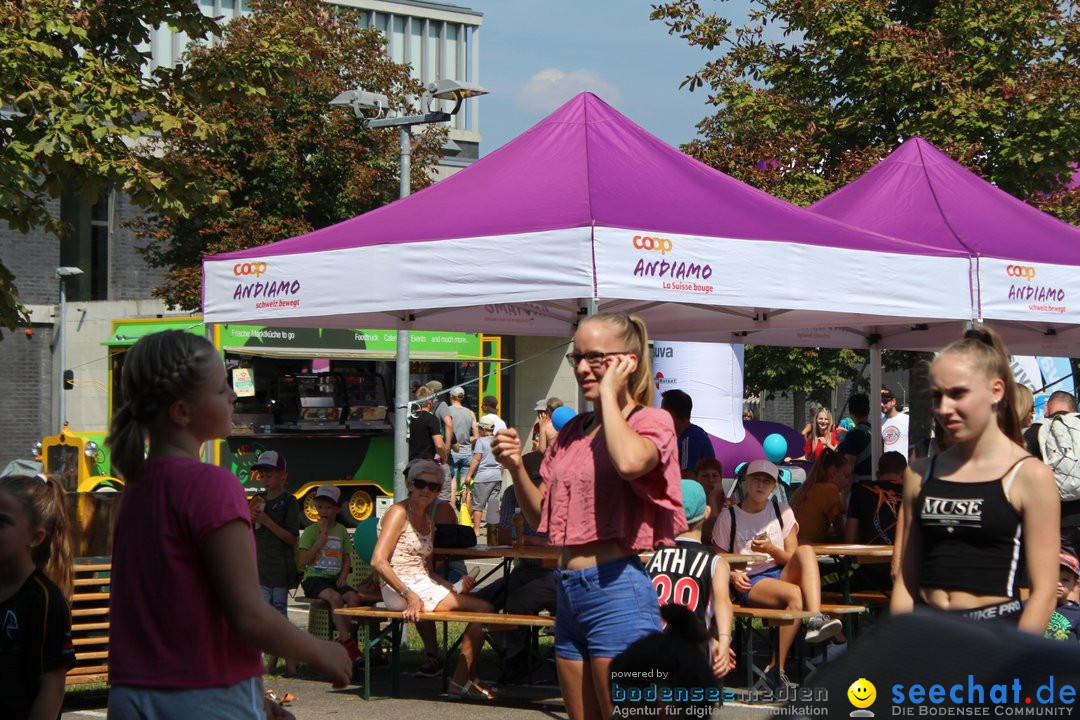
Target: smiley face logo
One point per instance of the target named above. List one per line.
(862, 694)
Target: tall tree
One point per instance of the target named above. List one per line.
(811, 93)
(78, 108)
(286, 162)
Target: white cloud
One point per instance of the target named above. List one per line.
(551, 87)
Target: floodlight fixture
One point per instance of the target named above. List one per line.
(447, 89)
(362, 102)
(67, 271)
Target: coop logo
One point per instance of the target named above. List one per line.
(1021, 271)
(249, 268)
(653, 244)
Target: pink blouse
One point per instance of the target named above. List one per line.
(587, 500)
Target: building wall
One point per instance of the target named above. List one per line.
(543, 373)
(33, 257)
(25, 392)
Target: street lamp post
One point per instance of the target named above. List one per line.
(62, 274)
(361, 102)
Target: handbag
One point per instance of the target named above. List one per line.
(449, 535)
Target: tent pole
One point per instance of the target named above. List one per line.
(875, 403)
(401, 359)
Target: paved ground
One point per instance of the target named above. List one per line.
(421, 698)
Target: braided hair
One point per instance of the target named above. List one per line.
(158, 370)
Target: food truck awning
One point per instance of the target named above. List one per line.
(349, 354)
(127, 332)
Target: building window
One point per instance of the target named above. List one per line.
(85, 244)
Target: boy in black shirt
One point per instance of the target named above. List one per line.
(693, 575)
(275, 515)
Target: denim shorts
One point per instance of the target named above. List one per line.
(773, 572)
(241, 700)
(602, 610)
(278, 597)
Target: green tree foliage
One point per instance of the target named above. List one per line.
(286, 162)
(78, 108)
(810, 94)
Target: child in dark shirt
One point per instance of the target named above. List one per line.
(275, 517)
(1065, 620)
(35, 622)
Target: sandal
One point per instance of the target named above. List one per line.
(471, 691)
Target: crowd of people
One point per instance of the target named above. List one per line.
(984, 528)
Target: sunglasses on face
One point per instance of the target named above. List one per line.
(595, 359)
(424, 485)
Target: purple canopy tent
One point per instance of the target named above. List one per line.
(588, 209)
(1027, 262)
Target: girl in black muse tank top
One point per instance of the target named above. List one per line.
(971, 511)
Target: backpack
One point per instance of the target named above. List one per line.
(1059, 442)
(731, 509)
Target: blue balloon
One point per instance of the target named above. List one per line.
(775, 447)
(562, 415)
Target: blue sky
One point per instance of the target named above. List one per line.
(536, 54)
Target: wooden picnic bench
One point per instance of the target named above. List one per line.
(90, 624)
(772, 618)
(396, 622)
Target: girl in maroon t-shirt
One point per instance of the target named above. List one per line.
(187, 613)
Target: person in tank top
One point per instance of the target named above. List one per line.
(977, 510)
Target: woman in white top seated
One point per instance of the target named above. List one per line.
(402, 557)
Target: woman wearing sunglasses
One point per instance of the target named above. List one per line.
(402, 557)
(611, 489)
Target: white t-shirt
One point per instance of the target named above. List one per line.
(894, 434)
(747, 525)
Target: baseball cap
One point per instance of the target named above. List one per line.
(433, 385)
(269, 460)
(693, 500)
(486, 422)
(887, 394)
(330, 492)
(540, 405)
(457, 391)
(762, 466)
(1069, 560)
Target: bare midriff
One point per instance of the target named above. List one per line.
(598, 552)
(943, 599)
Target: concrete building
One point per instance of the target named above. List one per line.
(440, 40)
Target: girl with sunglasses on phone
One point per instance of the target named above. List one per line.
(970, 510)
(611, 489)
(402, 557)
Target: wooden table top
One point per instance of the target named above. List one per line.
(535, 552)
(839, 549)
(548, 552)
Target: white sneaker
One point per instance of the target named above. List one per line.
(821, 627)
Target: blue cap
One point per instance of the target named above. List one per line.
(693, 500)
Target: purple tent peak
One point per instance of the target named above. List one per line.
(586, 165)
(920, 194)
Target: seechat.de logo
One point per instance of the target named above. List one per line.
(654, 244)
(249, 268)
(1021, 271)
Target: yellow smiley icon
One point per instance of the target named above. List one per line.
(862, 693)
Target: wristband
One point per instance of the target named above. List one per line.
(403, 592)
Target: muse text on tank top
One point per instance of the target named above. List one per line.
(971, 535)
